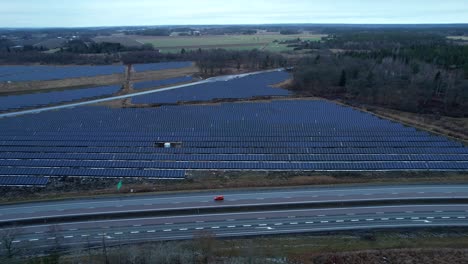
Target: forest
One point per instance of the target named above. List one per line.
(416, 72)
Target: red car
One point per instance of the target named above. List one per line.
(219, 198)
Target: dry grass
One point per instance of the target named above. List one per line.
(64, 188)
(119, 79)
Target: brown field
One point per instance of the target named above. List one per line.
(27, 87)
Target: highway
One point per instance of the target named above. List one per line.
(233, 198)
(234, 224)
(242, 224)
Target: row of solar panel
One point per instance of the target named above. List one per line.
(48, 98)
(164, 82)
(59, 172)
(234, 157)
(130, 138)
(391, 144)
(16, 73)
(11, 132)
(149, 150)
(246, 87)
(23, 181)
(102, 168)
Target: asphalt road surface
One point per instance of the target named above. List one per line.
(232, 224)
(196, 200)
(240, 224)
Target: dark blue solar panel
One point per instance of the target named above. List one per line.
(279, 135)
(164, 82)
(161, 66)
(23, 181)
(246, 87)
(47, 98)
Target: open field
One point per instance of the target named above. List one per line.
(260, 41)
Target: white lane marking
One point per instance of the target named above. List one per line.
(424, 221)
(323, 221)
(33, 239)
(265, 227)
(262, 224)
(199, 228)
(414, 218)
(50, 238)
(410, 188)
(183, 229)
(67, 236)
(39, 232)
(118, 233)
(461, 217)
(278, 224)
(339, 221)
(354, 220)
(150, 231)
(215, 227)
(230, 220)
(384, 219)
(168, 223)
(369, 219)
(261, 218)
(134, 232)
(136, 225)
(85, 235)
(275, 211)
(72, 229)
(309, 222)
(291, 216)
(167, 230)
(15, 241)
(246, 225)
(445, 217)
(231, 226)
(293, 223)
(321, 215)
(429, 217)
(399, 218)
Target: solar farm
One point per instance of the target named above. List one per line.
(45, 73)
(170, 141)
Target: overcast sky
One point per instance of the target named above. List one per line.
(84, 13)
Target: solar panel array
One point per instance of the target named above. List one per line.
(12, 102)
(161, 66)
(288, 135)
(246, 87)
(164, 82)
(17, 73)
(23, 181)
